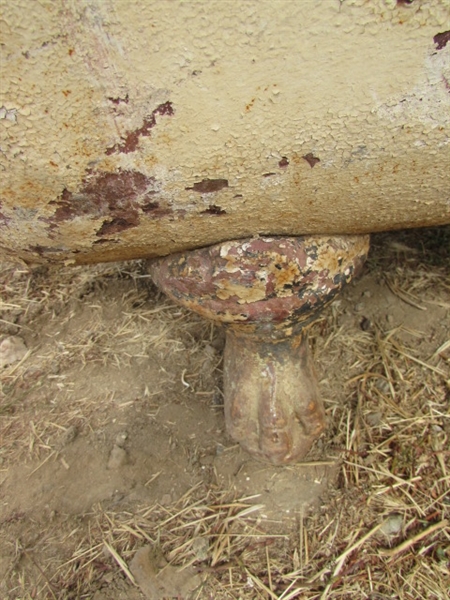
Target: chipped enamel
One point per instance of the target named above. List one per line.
(273, 281)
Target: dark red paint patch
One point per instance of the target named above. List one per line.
(208, 186)
(119, 100)
(118, 197)
(155, 211)
(213, 209)
(311, 159)
(441, 39)
(116, 225)
(131, 141)
(150, 206)
(284, 162)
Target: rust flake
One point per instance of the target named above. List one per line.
(155, 211)
(213, 209)
(117, 224)
(131, 141)
(119, 100)
(441, 39)
(208, 186)
(120, 198)
(311, 159)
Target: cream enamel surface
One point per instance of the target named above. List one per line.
(358, 84)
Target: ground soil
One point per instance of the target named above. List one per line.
(116, 407)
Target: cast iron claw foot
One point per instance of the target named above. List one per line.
(266, 291)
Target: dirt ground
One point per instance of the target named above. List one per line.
(118, 480)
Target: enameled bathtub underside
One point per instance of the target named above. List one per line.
(131, 129)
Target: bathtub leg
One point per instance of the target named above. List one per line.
(266, 292)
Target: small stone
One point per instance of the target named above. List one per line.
(367, 294)
(117, 458)
(200, 547)
(382, 385)
(390, 319)
(121, 438)
(220, 448)
(359, 307)
(374, 419)
(392, 526)
(12, 349)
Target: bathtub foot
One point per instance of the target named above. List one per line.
(266, 292)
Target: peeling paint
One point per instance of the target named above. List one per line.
(120, 195)
(116, 225)
(311, 159)
(131, 141)
(8, 114)
(118, 100)
(441, 39)
(285, 279)
(213, 209)
(209, 186)
(161, 89)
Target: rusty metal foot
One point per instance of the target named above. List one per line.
(266, 291)
(272, 403)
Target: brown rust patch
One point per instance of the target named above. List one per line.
(208, 186)
(277, 279)
(249, 106)
(119, 197)
(150, 206)
(311, 159)
(131, 140)
(156, 211)
(213, 209)
(284, 162)
(119, 100)
(116, 225)
(441, 39)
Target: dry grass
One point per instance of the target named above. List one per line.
(384, 530)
